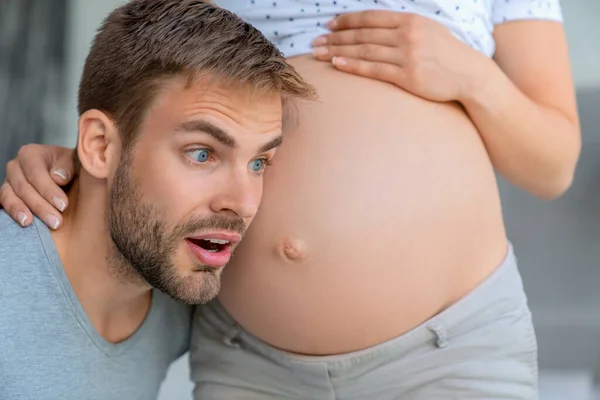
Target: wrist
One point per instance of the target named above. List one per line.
(480, 81)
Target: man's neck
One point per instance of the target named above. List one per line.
(115, 306)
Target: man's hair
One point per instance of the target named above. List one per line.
(144, 42)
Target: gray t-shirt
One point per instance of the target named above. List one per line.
(48, 347)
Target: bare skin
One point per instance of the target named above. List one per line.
(361, 248)
(382, 208)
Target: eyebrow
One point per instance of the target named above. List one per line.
(271, 144)
(199, 126)
(206, 127)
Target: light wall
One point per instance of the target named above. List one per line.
(85, 16)
(582, 23)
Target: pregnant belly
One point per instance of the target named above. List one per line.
(381, 209)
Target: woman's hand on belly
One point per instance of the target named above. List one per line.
(412, 52)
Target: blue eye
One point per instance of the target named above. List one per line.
(199, 155)
(258, 165)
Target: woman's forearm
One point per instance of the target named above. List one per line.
(533, 146)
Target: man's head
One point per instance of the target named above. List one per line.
(180, 111)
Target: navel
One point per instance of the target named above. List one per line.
(294, 250)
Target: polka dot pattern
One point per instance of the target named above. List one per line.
(293, 24)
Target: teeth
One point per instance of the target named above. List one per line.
(217, 241)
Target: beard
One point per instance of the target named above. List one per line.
(144, 246)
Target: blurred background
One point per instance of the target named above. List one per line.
(43, 45)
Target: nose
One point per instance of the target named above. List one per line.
(239, 193)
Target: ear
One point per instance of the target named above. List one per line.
(98, 143)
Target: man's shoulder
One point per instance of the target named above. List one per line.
(6, 221)
(9, 228)
(18, 245)
(12, 234)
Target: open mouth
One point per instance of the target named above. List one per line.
(213, 249)
(211, 245)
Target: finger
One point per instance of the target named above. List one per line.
(14, 206)
(31, 197)
(366, 52)
(62, 171)
(383, 36)
(34, 164)
(368, 19)
(376, 70)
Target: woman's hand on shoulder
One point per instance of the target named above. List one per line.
(33, 184)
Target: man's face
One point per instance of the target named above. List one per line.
(182, 197)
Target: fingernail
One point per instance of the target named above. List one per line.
(320, 51)
(60, 172)
(332, 24)
(320, 41)
(59, 203)
(52, 221)
(339, 61)
(22, 218)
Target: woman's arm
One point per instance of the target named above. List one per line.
(524, 106)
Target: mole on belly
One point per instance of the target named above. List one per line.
(293, 249)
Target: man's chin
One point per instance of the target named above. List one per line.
(199, 287)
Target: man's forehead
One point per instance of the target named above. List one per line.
(240, 103)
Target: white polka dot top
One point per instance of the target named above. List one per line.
(293, 24)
